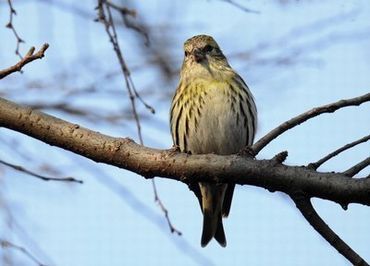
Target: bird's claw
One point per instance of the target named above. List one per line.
(247, 151)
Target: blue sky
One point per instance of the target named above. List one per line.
(322, 56)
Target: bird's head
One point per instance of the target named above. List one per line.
(202, 54)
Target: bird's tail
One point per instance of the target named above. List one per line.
(212, 199)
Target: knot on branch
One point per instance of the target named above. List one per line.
(280, 157)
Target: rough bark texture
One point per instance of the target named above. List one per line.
(148, 162)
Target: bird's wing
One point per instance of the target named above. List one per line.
(227, 200)
(194, 186)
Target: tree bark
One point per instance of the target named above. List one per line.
(148, 162)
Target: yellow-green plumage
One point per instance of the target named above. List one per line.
(212, 112)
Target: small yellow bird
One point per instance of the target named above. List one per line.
(212, 111)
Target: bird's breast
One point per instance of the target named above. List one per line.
(217, 122)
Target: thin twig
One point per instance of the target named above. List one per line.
(140, 28)
(134, 202)
(123, 10)
(317, 164)
(164, 210)
(29, 57)
(45, 178)
(125, 13)
(328, 108)
(125, 69)
(108, 23)
(105, 16)
(137, 95)
(111, 31)
(91, 115)
(357, 168)
(24, 236)
(243, 8)
(6, 244)
(158, 200)
(304, 205)
(9, 25)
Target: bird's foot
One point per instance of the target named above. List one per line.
(173, 150)
(247, 151)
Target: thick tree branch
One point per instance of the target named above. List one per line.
(304, 205)
(357, 168)
(295, 121)
(29, 57)
(317, 164)
(126, 154)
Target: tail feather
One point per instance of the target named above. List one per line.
(220, 233)
(212, 199)
(209, 227)
(227, 200)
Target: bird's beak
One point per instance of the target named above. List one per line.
(198, 55)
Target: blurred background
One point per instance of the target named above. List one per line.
(294, 55)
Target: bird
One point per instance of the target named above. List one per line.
(212, 111)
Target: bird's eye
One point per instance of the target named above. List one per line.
(186, 53)
(207, 48)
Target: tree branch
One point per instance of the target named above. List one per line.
(105, 17)
(123, 10)
(10, 26)
(304, 205)
(126, 154)
(295, 121)
(45, 178)
(7, 244)
(165, 211)
(241, 7)
(317, 164)
(29, 57)
(357, 168)
(280, 157)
